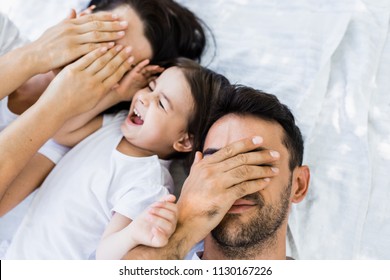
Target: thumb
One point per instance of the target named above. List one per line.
(72, 14)
(198, 157)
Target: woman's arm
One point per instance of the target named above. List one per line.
(58, 46)
(76, 89)
(26, 182)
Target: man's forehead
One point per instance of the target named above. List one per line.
(232, 128)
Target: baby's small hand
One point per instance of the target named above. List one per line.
(163, 215)
(137, 78)
(156, 225)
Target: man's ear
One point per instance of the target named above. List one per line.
(184, 144)
(300, 186)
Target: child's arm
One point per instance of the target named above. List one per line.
(81, 126)
(152, 228)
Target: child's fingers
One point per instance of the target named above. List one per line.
(163, 225)
(168, 212)
(168, 198)
(153, 69)
(160, 238)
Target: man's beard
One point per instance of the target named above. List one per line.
(236, 239)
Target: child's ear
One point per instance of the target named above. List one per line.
(184, 144)
(300, 184)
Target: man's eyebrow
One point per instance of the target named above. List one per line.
(210, 151)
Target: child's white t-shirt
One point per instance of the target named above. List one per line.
(75, 203)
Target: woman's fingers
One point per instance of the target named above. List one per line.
(89, 58)
(87, 11)
(102, 26)
(99, 36)
(113, 57)
(116, 72)
(100, 16)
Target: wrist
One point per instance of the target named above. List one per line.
(44, 107)
(32, 59)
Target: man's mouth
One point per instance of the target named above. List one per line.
(241, 205)
(136, 118)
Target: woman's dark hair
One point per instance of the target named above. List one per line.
(246, 101)
(171, 29)
(206, 86)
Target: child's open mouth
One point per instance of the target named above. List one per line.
(136, 118)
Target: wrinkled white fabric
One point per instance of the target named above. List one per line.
(329, 61)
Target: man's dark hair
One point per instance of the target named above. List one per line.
(246, 101)
(172, 30)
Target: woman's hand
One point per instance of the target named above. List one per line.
(73, 38)
(82, 84)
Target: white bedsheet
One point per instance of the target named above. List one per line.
(329, 60)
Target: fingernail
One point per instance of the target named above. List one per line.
(115, 16)
(104, 49)
(257, 140)
(274, 154)
(121, 33)
(111, 44)
(130, 60)
(275, 169)
(128, 50)
(267, 179)
(118, 48)
(123, 23)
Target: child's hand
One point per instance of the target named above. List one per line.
(82, 84)
(137, 78)
(75, 37)
(157, 223)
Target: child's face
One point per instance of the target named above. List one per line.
(159, 115)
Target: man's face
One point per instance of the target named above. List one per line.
(253, 218)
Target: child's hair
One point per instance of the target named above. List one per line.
(206, 86)
(171, 29)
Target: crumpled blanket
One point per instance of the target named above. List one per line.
(329, 61)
